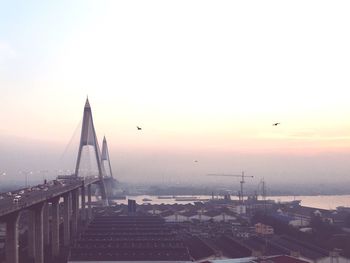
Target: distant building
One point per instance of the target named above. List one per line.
(263, 229)
(131, 206)
(240, 209)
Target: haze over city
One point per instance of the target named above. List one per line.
(174, 131)
(205, 82)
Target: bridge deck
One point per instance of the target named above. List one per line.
(32, 197)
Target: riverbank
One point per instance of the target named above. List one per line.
(330, 202)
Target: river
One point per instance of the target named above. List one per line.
(318, 201)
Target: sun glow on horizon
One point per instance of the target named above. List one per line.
(200, 77)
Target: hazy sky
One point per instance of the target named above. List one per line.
(205, 80)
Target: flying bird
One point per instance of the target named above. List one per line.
(275, 124)
(138, 128)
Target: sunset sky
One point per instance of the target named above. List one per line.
(204, 79)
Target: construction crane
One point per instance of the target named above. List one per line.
(241, 195)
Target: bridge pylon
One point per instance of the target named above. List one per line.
(109, 180)
(106, 163)
(88, 138)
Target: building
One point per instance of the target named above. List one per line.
(263, 229)
(126, 238)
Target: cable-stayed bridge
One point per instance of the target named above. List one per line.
(68, 192)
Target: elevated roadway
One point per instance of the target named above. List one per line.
(33, 197)
(37, 201)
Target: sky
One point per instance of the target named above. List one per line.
(204, 79)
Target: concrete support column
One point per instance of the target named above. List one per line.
(31, 234)
(55, 227)
(70, 206)
(104, 198)
(66, 219)
(46, 224)
(89, 202)
(11, 247)
(176, 216)
(75, 208)
(39, 232)
(83, 203)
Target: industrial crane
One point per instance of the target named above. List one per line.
(241, 182)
